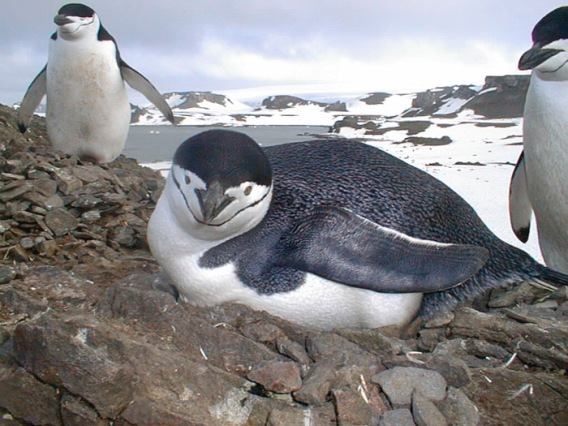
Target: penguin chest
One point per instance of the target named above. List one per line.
(88, 112)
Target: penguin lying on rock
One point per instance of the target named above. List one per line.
(539, 182)
(88, 112)
(326, 234)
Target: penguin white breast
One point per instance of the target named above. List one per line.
(88, 112)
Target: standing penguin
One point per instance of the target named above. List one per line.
(324, 233)
(88, 112)
(540, 180)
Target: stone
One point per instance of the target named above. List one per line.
(458, 409)
(75, 412)
(7, 274)
(60, 222)
(43, 350)
(398, 417)
(277, 376)
(399, 383)
(18, 388)
(262, 331)
(292, 350)
(351, 408)
(316, 384)
(453, 369)
(425, 412)
(287, 416)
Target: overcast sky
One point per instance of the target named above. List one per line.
(221, 45)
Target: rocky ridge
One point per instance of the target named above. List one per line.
(91, 332)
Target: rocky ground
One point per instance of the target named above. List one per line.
(91, 332)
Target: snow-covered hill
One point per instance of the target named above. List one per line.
(500, 97)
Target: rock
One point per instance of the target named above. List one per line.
(7, 274)
(399, 383)
(425, 412)
(459, 410)
(75, 412)
(399, 417)
(453, 369)
(60, 222)
(292, 350)
(277, 376)
(18, 388)
(351, 408)
(316, 384)
(43, 349)
(262, 331)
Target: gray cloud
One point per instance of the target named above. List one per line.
(207, 45)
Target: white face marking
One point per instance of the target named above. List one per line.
(245, 207)
(555, 68)
(79, 27)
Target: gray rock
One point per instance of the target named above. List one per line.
(453, 369)
(277, 376)
(399, 383)
(316, 385)
(458, 409)
(292, 350)
(7, 274)
(60, 222)
(398, 417)
(425, 412)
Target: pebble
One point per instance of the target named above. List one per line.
(399, 383)
(398, 417)
(7, 274)
(425, 412)
(277, 376)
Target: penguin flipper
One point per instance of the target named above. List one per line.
(520, 209)
(337, 244)
(140, 83)
(35, 93)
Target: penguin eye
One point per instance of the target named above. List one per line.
(248, 190)
(187, 180)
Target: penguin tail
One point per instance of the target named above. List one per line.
(549, 279)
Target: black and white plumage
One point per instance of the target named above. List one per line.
(88, 112)
(324, 233)
(539, 182)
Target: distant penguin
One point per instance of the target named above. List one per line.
(325, 234)
(88, 112)
(540, 180)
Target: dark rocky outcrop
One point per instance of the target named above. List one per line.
(287, 101)
(501, 97)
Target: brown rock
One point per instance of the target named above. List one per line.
(277, 376)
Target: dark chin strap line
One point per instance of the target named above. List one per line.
(213, 224)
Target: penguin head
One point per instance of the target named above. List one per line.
(549, 54)
(75, 20)
(220, 184)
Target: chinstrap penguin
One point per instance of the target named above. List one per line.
(88, 111)
(326, 234)
(539, 181)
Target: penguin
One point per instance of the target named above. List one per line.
(88, 112)
(326, 234)
(538, 183)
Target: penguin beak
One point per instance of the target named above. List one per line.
(61, 20)
(212, 201)
(535, 56)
